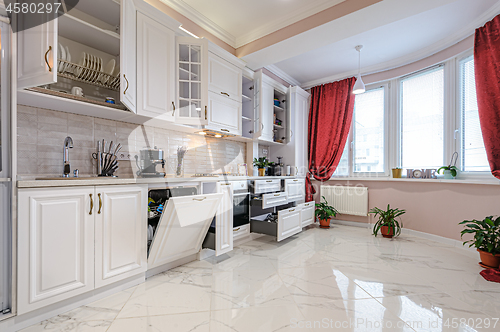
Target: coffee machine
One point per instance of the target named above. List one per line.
(149, 159)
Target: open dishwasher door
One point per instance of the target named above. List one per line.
(182, 228)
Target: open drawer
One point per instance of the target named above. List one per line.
(272, 200)
(266, 186)
(287, 224)
(295, 189)
(182, 228)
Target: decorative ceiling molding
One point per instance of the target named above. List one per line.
(184, 9)
(281, 74)
(437, 47)
(261, 31)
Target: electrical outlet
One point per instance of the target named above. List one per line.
(124, 156)
(264, 152)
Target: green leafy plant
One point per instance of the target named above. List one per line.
(325, 211)
(453, 170)
(451, 167)
(261, 162)
(388, 218)
(486, 234)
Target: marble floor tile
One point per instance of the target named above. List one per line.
(194, 322)
(341, 279)
(256, 319)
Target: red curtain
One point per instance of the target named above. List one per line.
(330, 118)
(487, 72)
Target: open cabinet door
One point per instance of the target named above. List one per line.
(36, 51)
(182, 228)
(128, 56)
(257, 104)
(224, 220)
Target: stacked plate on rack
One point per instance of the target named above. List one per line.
(90, 69)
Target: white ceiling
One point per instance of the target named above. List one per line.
(386, 46)
(238, 22)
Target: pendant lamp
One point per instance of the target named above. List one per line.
(359, 86)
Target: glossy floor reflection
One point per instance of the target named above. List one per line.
(341, 279)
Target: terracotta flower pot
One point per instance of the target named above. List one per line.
(488, 259)
(324, 223)
(262, 171)
(385, 231)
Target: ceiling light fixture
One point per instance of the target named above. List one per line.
(188, 32)
(359, 86)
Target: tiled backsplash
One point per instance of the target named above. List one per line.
(41, 132)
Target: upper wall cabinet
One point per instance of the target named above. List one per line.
(192, 81)
(224, 78)
(155, 69)
(81, 56)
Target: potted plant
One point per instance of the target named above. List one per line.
(387, 223)
(324, 212)
(397, 172)
(450, 171)
(261, 164)
(486, 239)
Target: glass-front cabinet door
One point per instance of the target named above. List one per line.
(192, 81)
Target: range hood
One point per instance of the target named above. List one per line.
(215, 133)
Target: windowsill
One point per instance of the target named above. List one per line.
(488, 181)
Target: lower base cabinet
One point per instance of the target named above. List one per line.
(72, 240)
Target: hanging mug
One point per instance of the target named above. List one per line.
(77, 91)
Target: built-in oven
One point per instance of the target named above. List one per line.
(241, 203)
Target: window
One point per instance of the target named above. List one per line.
(473, 154)
(422, 119)
(343, 167)
(368, 130)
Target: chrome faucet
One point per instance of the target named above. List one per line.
(68, 144)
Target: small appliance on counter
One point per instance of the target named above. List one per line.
(150, 158)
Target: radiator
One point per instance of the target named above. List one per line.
(347, 200)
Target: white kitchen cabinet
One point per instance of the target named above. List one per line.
(155, 69)
(289, 223)
(224, 220)
(192, 81)
(307, 213)
(267, 112)
(36, 52)
(120, 232)
(295, 188)
(266, 186)
(182, 228)
(257, 102)
(224, 114)
(55, 245)
(224, 78)
(128, 56)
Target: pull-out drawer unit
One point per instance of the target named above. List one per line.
(307, 213)
(295, 189)
(272, 200)
(241, 231)
(285, 224)
(266, 186)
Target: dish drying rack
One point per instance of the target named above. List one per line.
(84, 74)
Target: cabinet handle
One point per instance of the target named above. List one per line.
(199, 199)
(206, 113)
(225, 94)
(262, 124)
(236, 229)
(295, 180)
(269, 181)
(100, 203)
(277, 194)
(291, 210)
(91, 204)
(291, 133)
(46, 59)
(307, 204)
(125, 77)
(224, 130)
(173, 106)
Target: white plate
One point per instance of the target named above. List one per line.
(109, 69)
(62, 52)
(81, 63)
(67, 68)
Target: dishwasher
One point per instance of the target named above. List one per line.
(157, 201)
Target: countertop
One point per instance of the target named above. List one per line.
(99, 181)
